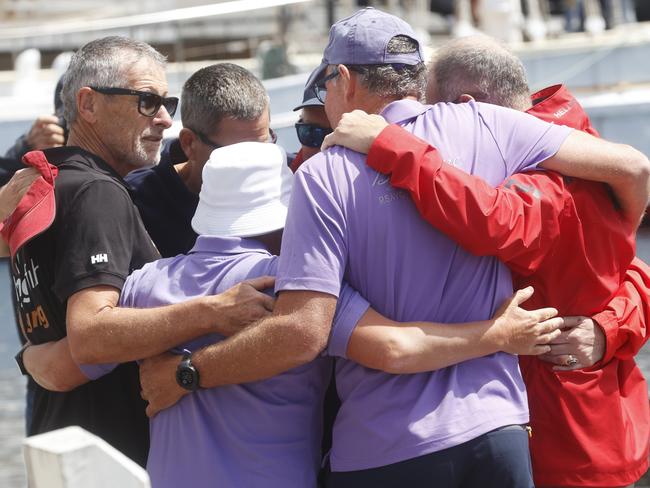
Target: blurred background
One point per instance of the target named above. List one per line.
(599, 48)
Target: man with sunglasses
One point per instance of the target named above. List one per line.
(222, 104)
(74, 248)
(456, 427)
(311, 128)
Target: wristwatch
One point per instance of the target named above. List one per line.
(19, 359)
(187, 375)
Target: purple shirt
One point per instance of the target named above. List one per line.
(261, 434)
(346, 222)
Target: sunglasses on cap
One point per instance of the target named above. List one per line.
(148, 103)
(311, 135)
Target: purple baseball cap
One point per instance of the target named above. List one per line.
(363, 38)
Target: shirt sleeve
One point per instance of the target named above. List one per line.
(524, 140)
(517, 222)
(95, 240)
(349, 309)
(314, 253)
(95, 371)
(625, 317)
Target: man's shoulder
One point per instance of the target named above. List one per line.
(334, 160)
(75, 178)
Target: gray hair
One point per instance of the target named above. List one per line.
(395, 81)
(481, 67)
(219, 91)
(103, 62)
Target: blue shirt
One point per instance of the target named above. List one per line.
(345, 221)
(166, 205)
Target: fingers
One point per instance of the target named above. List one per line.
(262, 283)
(573, 321)
(544, 314)
(522, 295)
(539, 350)
(563, 362)
(552, 327)
(268, 303)
(563, 349)
(45, 120)
(328, 141)
(45, 132)
(546, 339)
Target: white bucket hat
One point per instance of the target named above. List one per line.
(245, 192)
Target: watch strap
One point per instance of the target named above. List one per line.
(19, 359)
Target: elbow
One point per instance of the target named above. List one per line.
(309, 339)
(393, 356)
(637, 171)
(62, 385)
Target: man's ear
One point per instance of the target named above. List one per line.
(464, 98)
(349, 82)
(87, 104)
(188, 141)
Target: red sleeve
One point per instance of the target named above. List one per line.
(625, 317)
(517, 222)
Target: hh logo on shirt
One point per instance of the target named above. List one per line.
(99, 258)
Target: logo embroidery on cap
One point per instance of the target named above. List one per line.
(99, 258)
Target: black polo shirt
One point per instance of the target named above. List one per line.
(97, 238)
(166, 205)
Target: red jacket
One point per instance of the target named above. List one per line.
(565, 237)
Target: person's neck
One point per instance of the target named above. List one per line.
(190, 173)
(89, 141)
(271, 241)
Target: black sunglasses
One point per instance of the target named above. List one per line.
(320, 90)
(311, 135)
(148, 103)
(273, 138)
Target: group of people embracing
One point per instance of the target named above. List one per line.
(352, 324)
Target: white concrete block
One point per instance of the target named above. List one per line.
(75, 458)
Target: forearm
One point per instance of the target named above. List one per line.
(52, 366)
(101, 332)
(295, 335)
(117, 334)
(622, 167)
(420, 346)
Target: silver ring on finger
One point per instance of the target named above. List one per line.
(571, 360)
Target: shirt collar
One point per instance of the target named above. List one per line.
(403, 110)
(228, 245)
(59, 155)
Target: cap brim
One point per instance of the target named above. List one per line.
(311, 81)
(33, 215)
(312, 102)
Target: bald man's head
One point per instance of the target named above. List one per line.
(481, 67)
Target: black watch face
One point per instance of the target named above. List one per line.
(186, 378)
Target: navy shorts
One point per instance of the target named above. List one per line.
(498, 459)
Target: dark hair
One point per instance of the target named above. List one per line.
(395, 80)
